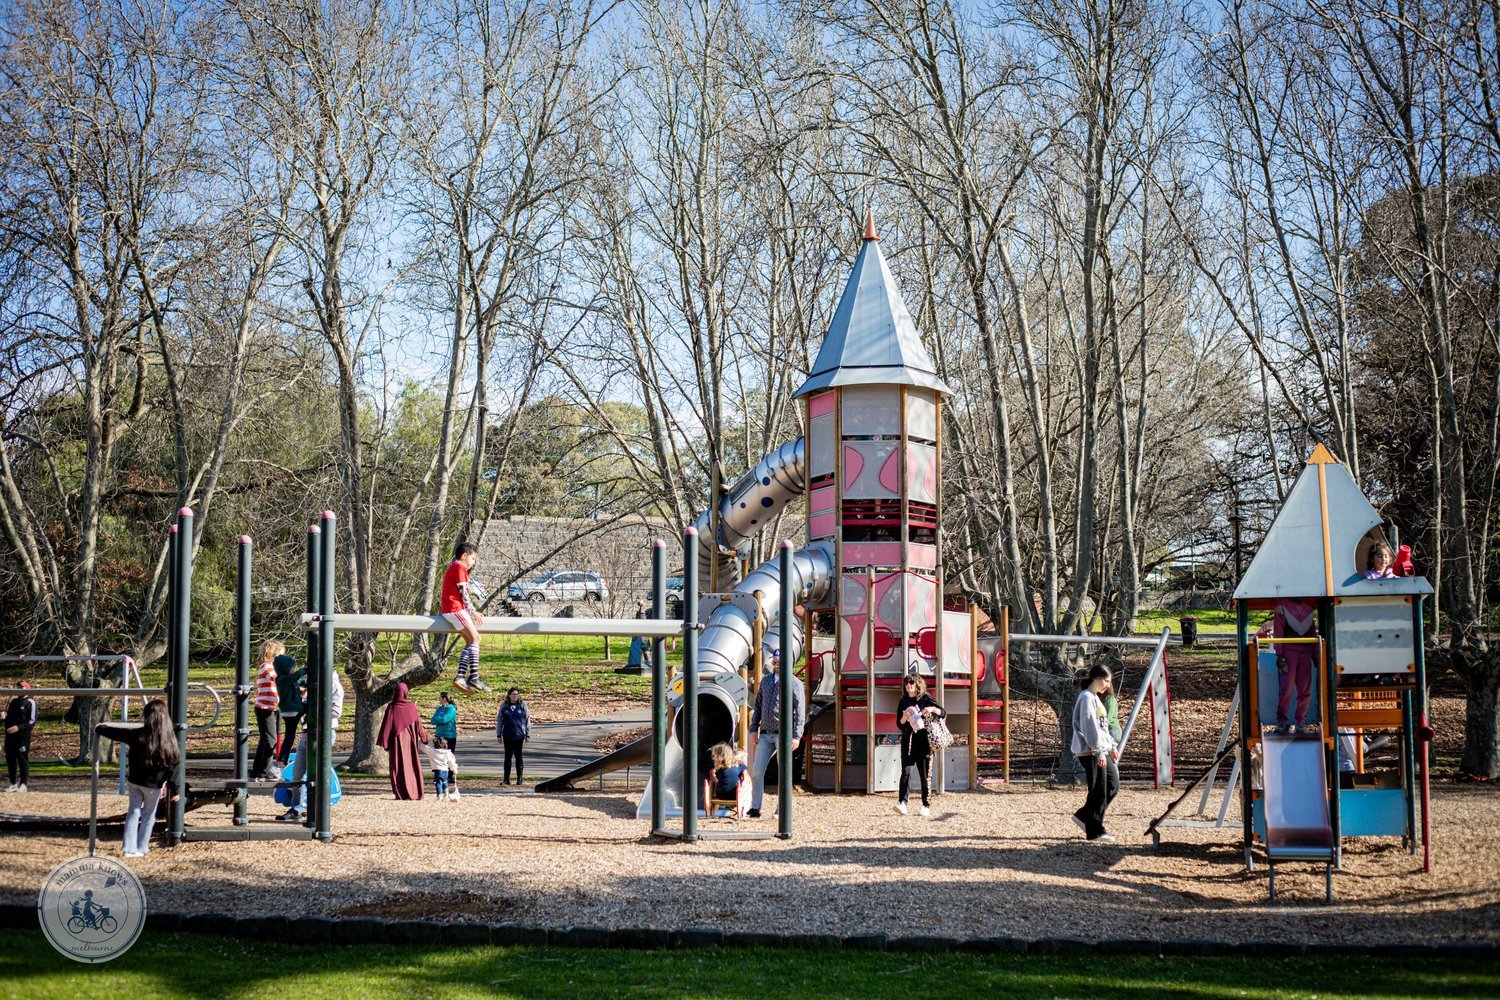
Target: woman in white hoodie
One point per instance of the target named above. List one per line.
(1097, 752)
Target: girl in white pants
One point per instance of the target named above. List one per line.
(151, 762)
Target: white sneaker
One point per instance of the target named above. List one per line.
(901, 808)
(461, 684)
(926, 811)
(10, 787)
(21, 787)
(1103, 838)
(1080, 824)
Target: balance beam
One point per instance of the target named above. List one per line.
(437, 624)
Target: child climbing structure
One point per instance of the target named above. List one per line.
(1365, 680)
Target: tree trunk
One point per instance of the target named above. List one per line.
(1481, 758)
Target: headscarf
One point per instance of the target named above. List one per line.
(399, 714)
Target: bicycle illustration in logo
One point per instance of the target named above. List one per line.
(88, 915)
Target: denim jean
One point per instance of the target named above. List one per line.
(140, 817)
(765, 748)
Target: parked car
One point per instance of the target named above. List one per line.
(562, 585)
(674, 597)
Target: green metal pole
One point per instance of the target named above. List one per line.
(787, 679)
(181, 623)
(689, 708)
(1249, 726)
(658, 685)
(324, 827)
(242, 686)
(310, 668)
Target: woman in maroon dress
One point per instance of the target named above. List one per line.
(400, 732)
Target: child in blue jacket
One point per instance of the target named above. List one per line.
(445, 723)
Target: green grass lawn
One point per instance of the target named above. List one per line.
(168, 965)
(543, 667)
(1211, 621)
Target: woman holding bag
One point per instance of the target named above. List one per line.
(914, 712)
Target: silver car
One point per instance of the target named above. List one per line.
(562, 585)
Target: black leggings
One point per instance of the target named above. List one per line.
(289, 738)
(18, 756)
(269, 723)
(513, 749)
(923, 764)
(1104, 785)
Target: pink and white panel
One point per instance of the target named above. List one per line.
(872, 470)
(822, 513)
(822, 436)
(958, 658)
(921, 472)
(875, 554)
(921, 601)
(920, 556)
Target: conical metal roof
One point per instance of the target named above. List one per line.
(1314, 546)
(872, 339)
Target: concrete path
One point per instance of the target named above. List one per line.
(554, 748)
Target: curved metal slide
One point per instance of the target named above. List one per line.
(725, 644)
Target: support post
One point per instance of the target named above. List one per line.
(788, 678)
(310, 667)
(690, 685)
(181, 620)
(658, 685)
(1249, 733)
(242, 685)
(1005, 687)
(323, 828)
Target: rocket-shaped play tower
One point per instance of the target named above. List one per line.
(874, 472)
(869, 581)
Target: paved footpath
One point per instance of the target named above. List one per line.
(554, 748)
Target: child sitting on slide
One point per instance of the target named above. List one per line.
(729, 771)
(458, 608)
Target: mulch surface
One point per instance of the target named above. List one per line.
(998, 862)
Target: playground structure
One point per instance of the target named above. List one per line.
(1369, 677)
(864, 599)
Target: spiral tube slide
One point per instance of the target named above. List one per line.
(726, 643)
(727, 637)
(751, 503)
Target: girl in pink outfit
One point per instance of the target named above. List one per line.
(1293, 618)
(1378, 566)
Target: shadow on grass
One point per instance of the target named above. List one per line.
(190, 966)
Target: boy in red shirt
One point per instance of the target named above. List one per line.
(458, 608)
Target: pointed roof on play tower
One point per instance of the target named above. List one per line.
(1318, 544)
(872, 339)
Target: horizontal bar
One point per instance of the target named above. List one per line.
(1082, 640)
(85, 692)
(625, 627)
(1258, 639)
(54, 658)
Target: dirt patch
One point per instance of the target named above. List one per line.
(432, 906)
(614, 741)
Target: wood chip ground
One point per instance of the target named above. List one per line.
(999, 862)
